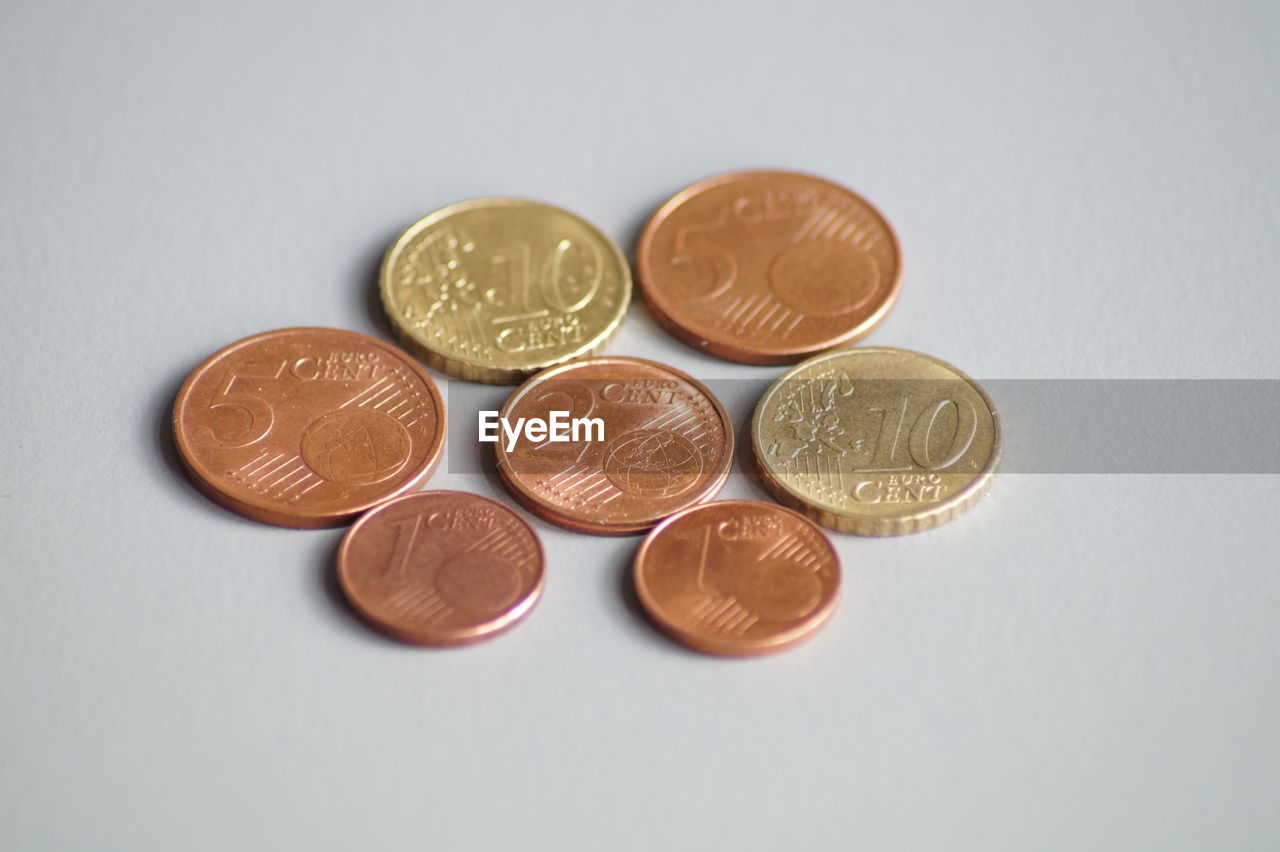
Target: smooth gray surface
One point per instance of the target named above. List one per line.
(1084, 662)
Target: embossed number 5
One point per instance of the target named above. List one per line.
(721, 260)
(256, 410)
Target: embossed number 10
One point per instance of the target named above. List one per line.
(568, 277)
(920, 440)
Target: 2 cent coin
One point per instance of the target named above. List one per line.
(654, 440)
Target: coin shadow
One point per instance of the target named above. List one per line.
(368, 274)
(747, 470)
(161, 423)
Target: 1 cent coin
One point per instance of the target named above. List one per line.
(876, 441)
(737, 577)
(768, 267)
(653, 441)
(496, 289)
(441, 567)
(308, 427)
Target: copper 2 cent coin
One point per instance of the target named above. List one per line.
(441, 567)
(768, 267)
(662, 442)
(308, 427)
(737, 577)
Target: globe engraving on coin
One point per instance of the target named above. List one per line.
(768, 267)
(308, 427)
(496, 289)
(667, 444)
(653, 463)
(876, 441)
(441, 567)
(737, 577)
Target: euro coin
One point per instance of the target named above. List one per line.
(441, 567)
(876, 441)
(308, 427)
(737, 577)
(768, 267)
(497, 289)
(652, 441)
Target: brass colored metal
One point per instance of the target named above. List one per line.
(497, 289)
(667, 444)
(308, 427)
(876, 441)
(768, 267)
(441, 567)
(737, 577)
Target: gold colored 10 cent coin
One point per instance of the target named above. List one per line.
(497, 289)
(876, 441)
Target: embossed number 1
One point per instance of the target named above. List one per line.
(395, 574)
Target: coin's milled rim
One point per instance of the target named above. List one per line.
(482, 370)
(941, 512)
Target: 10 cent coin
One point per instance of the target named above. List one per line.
(496, 289)
(876, 441)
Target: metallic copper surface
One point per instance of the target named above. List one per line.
(768, 267)
(308, 427)
(667, 444)
(737, 577)
(441, 567)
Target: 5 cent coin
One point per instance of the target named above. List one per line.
(876, 441)
(308, 427)
(496, 289)
(441, 567)
(768, 267)
(652, 441)
(737, 577)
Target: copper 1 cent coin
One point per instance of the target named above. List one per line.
(737, 577)
(768, 267)
(654, 441)
(441, 567)
(308, 427)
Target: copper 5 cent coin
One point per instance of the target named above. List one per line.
(308, 427)
(768, 267)
(646, 440)
(737, 577)
(441, 567)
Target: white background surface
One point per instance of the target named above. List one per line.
(1083, 662)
